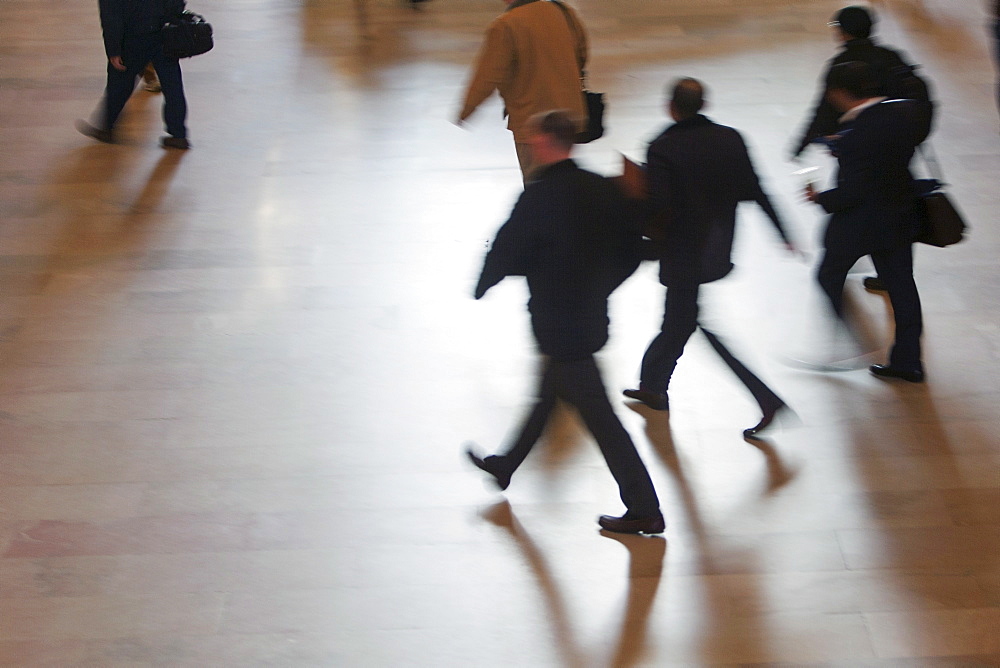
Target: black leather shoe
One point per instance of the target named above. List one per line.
(85, 128)
(874, 283)
(627, 524)
(492, 466)
(658, 401)
(765, 421)
(175, 142)
(886, 371)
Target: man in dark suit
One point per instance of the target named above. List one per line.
(874, 208)
(132, 40)
(698, 173)
(572, 235)
(853, 27)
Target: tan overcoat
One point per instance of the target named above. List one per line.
(533, 57)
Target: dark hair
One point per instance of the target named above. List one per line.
(855, 21)
(687, 96)
(558, 125)
(855, 77)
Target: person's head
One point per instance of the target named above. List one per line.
(551, 135)
(687, 98)
(849, 84)
(854, 22)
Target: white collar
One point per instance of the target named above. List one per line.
(856, 111)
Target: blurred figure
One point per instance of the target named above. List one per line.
(698, 172)
(996, 44)
(853, 28)
(533, 55)
(874, 206)
(151, 82)
(574, 237)
(132, 41)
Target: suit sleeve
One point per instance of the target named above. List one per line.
(823, 120)
(752, 189)
(494, 62)
(509, 255)
(853, 173)
(113, 26)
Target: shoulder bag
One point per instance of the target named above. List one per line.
(186, 35)
(592, 102)
(941, 223)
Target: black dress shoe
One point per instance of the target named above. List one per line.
(765, 421)
(491, 465)
(629, 524)
(85, 128)
(886, 371)
(658, 401)
(175, 142)
(874, 283)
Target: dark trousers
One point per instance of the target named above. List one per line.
(680, 320)
(578, 382)
(895, 268)
(136, 53)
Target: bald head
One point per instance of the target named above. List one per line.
(687, 98)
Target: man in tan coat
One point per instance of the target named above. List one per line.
(533, 55)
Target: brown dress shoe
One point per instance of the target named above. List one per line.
(630, 524)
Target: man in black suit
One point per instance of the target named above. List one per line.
(874, 208)
(698, 173)
(575, 238)
(853, 27)
(132, 40)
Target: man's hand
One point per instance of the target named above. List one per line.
(116, 62)
(810, 192)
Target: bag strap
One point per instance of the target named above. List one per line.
(930, 159)
(574, 29)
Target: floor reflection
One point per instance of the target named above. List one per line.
(645, 568)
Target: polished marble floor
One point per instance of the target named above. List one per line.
(235, 382)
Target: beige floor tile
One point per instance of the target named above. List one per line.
(938, 633)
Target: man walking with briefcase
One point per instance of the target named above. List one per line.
(131, 41)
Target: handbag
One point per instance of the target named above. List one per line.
(592, 102)
(186, 35)
(941, 223)
(595, 117)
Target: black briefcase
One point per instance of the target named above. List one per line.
(187, 35)
(941, 223)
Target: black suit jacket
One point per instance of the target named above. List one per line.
(824, 117)
(698, 172)
(129, 18)
(874, 205)
(575, 238)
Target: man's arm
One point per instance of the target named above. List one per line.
(823, 118)
(113, 27)
(754, 191)
(509, 253)
(493, 65)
